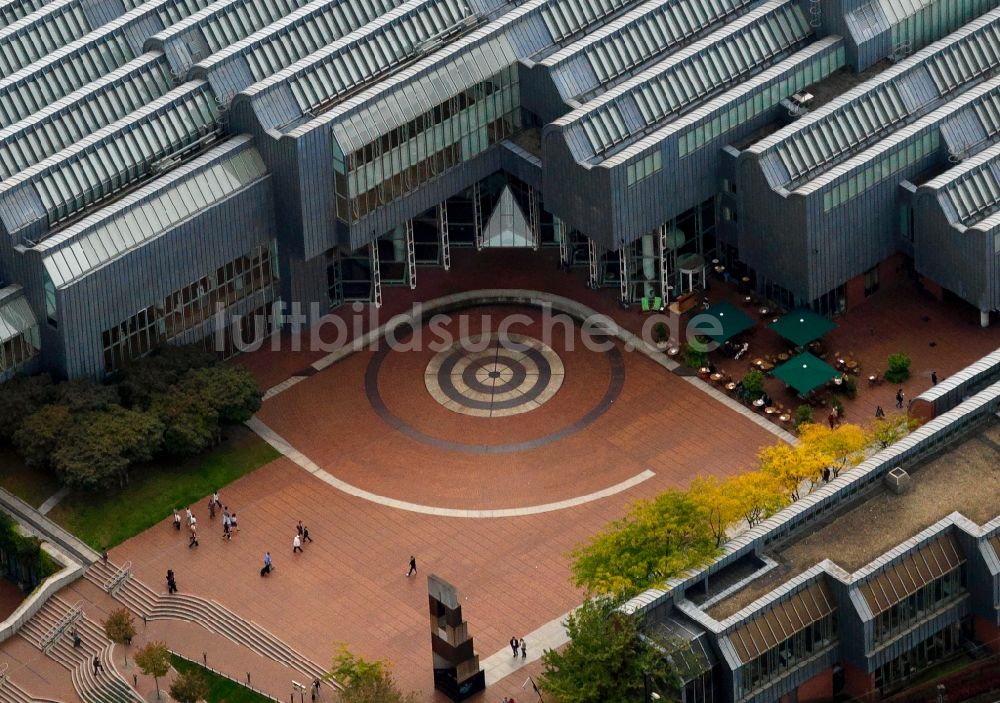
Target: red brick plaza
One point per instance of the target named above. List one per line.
(368, 421)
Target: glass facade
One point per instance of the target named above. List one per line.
(412, 154)
(903, 157)
(753, 105)
(645, 167)
(190, 305)
(919, 605)
(935, 20)
(930, 651)
(773, 663)
(18, 350)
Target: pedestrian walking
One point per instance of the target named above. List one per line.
(227, 532)
(831, 419)
(514, 644)
(899, 398)
(266, 569)
(177, 520)
(296, 544)
(413, 567)
(826, 475)
(299, 528)
(305, 534)
(171, 582)
(77, 641)
(97, 665)
(934, 378)
(193, 541)
(215, 498)
(879, 412)
(232, 523)
(211, 509)
(188, 515)
(524, 649)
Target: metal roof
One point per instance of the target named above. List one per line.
(880, 105)
(150, 211)
(418, 87)
(772, 625)
(564, 18)
(901, 578)
(669, 87)
(36, 35)
(353, 61)
(636, 37)
(973, 189)
(16, 316)
(965, 104)
(221, 25)
(88, 58)
(83, 112)
(13, 10)
(731, 97)
(297, 35)
(119, 155)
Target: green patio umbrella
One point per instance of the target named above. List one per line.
(805, 372)
(802, 326)
(731, 320)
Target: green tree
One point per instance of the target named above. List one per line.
(898, 368)
(119, 626)
(718, 502)
(190, 424)
(605, 660)
(231, 391)
(189, 687)
(83, 395)
(656, 540)
(154, 660)
(40, 434)
(20, 397)
(99, 447)
(159, 372)
(753, 383)
(366, 681)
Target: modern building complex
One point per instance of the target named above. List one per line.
(169, 164)
(890, 570)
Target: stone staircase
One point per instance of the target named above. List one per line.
(108, 687)
(148, 604)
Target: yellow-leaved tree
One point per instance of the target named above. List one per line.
(844, 446)
(792, 466)
(656, 540)
(718, 502)
(758, 494)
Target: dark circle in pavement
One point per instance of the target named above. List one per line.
(519, 374)
(616, 381)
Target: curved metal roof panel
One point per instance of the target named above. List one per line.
(13, 10)
(120, 154)
(83, 112)
(151, 211)
(650, 30)
(683, 79)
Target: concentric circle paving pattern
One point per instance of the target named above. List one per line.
(493, 376)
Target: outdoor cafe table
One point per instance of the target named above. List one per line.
(759, 403)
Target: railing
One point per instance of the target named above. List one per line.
(56, 631)
(118, 579)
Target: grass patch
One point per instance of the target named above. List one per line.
(110, 518)
(30, 485)
(221, 689)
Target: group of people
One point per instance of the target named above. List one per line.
(519, 645)
(301, 537)
(229, 524)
